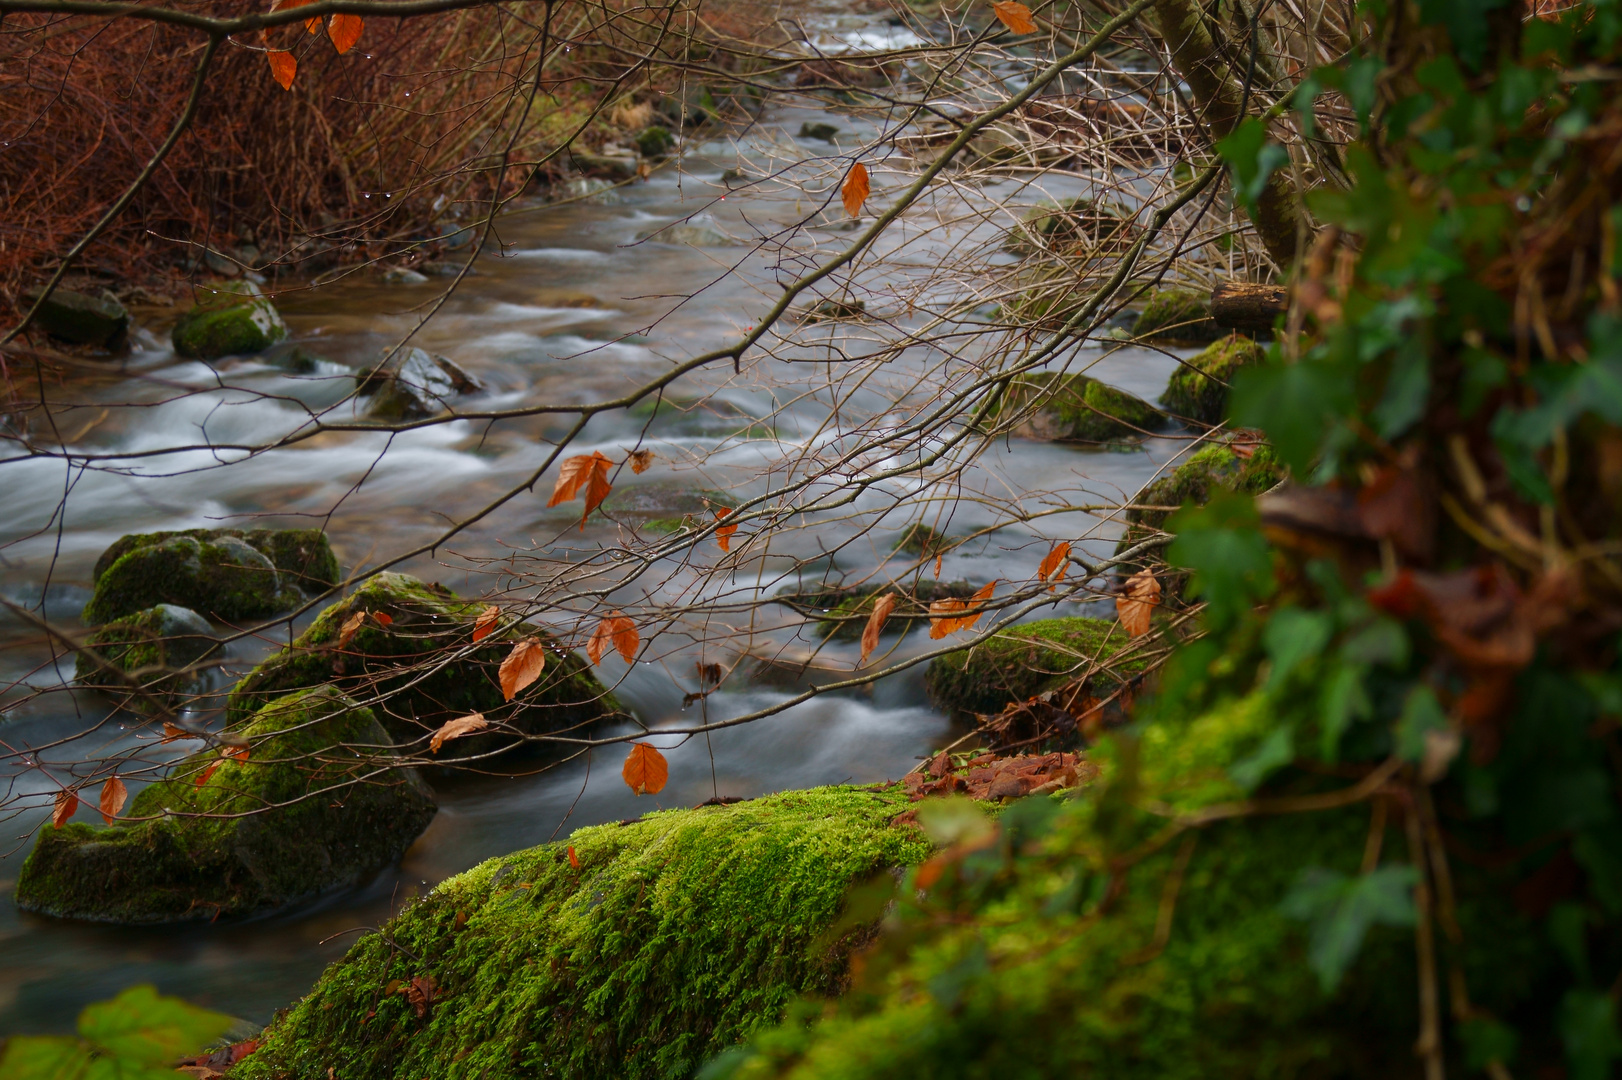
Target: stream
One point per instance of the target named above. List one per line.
(569, 307)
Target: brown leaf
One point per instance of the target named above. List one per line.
(588, 471)
(1137, 602)
(113, 794)
(641, 461)
(1014, 15)
(421, 993)
(855, 190)
(615, 630)
(645, 770)
(235, 753)
(938, 559)
(351, 626)
(455, 729)
(574, 860)
(283, 66)
(709, 674)
(212, 768)
(522, 666)
(723, 533)
(171, 732)
(344, 30)
(486, 622)
(875, 625)
(945, 615)
(384, 619)
(66, 803)
(1055, 564)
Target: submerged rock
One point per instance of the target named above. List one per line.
(1022, 661)
(302, 555)
(396, 663)
(1177, 315)
(676, 935)
(220, 576)
(349, 817)
(1198, 389)
(1079, 408)
(156, 648)
(233, 318)
(420, 385)
(82, 319)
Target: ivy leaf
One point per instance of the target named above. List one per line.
(1252, 159)
(31, 1057)
(141, 1027)
(1588, 1028)
(1223, 544)
(1339, 911)
(1466, 23)
(1296, 404)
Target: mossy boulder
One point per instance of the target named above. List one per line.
(302, 556)
(1071, 227)
(313, 807)
(1198, 389)
(82, 319)
(922, 541)
(157, 648)
(231, 319)
(1177, 315)
(655, 142)
(1022, 661)
(677, 935)
(422, 668)
(221, 577)
(843, 612)
(1078, 408)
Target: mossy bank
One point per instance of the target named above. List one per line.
(1022, 661)
(313, 806)
(676, 936)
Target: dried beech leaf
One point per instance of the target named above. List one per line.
(344, 30)
(350, 627)
(1014, 15)
(945, 616)
(875, 625)
(615, 630)
(485, 624)
(1137, 602)
(455, 729)
(171, 732)
(588, 471)
(113, 794)
(855, 190)
(235, 753)
(66, 803)
(384, 619)
(212, 768)
(522, 666)
(723, 533)
(938, 559)
(1055, 564)
(645, 770)
(641, 461)
(283, 66)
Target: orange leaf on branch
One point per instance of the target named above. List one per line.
(113, 794)
(344, 30)
(66, 803)
(455, 729)
(350, 627)
(1137, 602)
(723, 533)
(645, 770)
(1055, 564)
(1014, 15)
(235, 753)
(485, 624)
(588, 471)
(945, 616)
(875, 625)
(615, 630)
(641, 461)
(522, 666)
(283, 66)
(855, 190)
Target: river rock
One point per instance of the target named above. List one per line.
(221, 576)
(1198, 389)
(611, 166)
(349, 817)
(1177, 316)
(817, 130)
(419, 385)
(697, 232)
(427, 623)
(1079, 408)
(84, 320)
(157, 648)
(303, 556)
(843, 612)
(655, 142)
(676, 935)
(403, 275)
(233, 318)
(1022, 661)
(1070, 227)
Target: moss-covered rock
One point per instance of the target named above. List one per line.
(1070, 227)
(157, 648)
(303, 814)
(922, 541)
(677, 935)
(82, 319)
(1177, 315)
(303, 556)
(1022, 661)
(1078, 408)
(221, 577)
(1198, 389)
(843, 612)
(655, 142)
(232, 319)
(425, 670)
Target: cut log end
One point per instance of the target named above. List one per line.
(1239, 305)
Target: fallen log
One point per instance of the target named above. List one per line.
(1239, 305)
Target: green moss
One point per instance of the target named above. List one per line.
(1175, 315)
(1079, 408)
(1198, 389)
(157, 647)
(221, 577)
(678, 934)
(303, 555)
(422, 668)
(1022, 661)
(203, 850)
(232, 319)
(655, 142)
(922, 541)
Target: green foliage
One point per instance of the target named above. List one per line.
(139, 1035)
(1341, 910)
(1252, 158)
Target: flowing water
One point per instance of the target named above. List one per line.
(569, 308)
